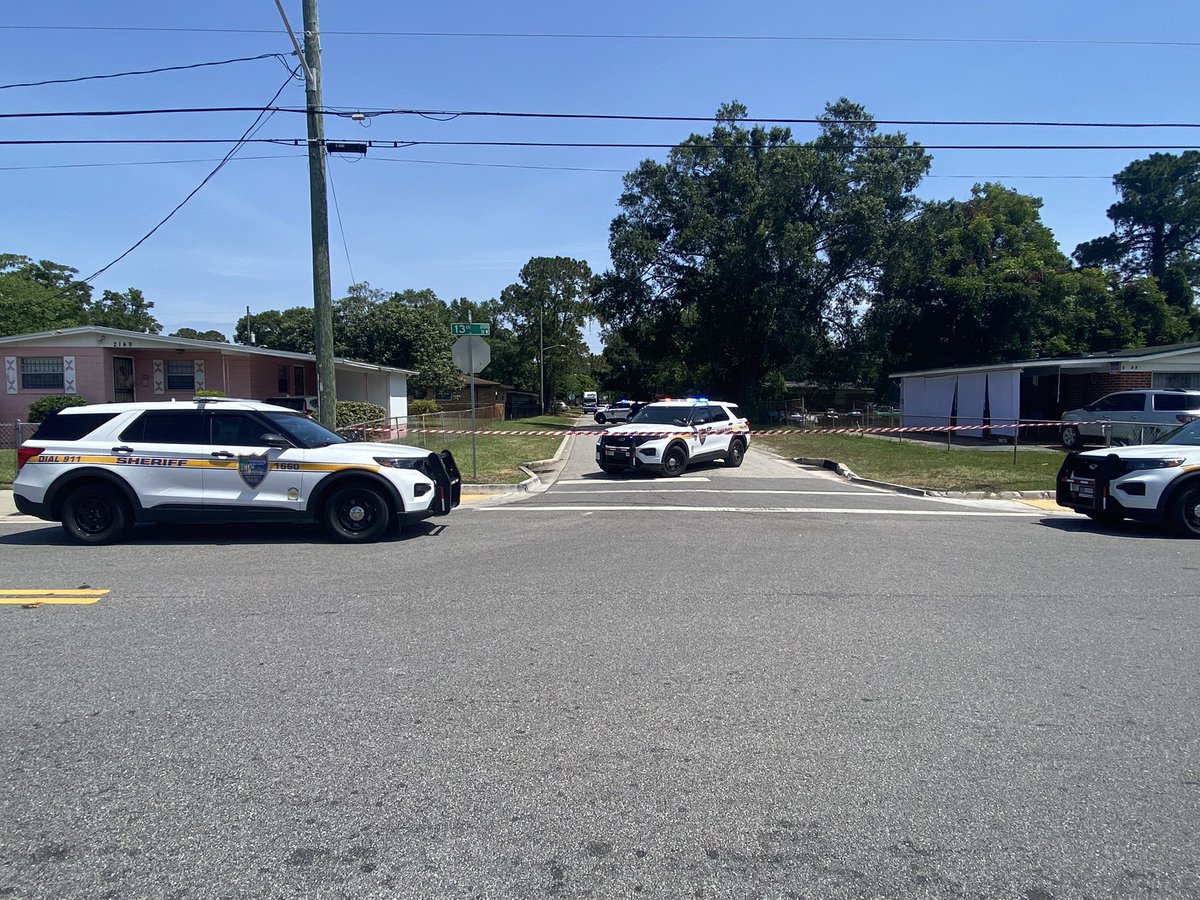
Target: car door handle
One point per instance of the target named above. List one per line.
(222, 454)
(122, 449)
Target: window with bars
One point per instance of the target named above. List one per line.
(281, 381)
(41, 373)
(181, 375)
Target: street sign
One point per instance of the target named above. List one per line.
(481, 328)
(471, 354)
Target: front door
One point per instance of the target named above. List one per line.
(122, 379)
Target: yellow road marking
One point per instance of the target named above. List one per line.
(37, 597)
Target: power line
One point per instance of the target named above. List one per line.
(245, 138)
(342, 228)
(602, 36)
(143, 162)
(592, 145)
(223, 62)
(481, 165)
(450, 115)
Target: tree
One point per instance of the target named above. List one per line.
(192, 334)
(1157, 225)
(547, 310)
(740, 254)
(290, 330)
(39, 296)
(390, 330)
(974, 281)
(128, 310)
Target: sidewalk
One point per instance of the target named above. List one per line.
(8, 507)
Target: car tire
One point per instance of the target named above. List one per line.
(1185, 511)
(735, 455)
(95, 513)
(1071, 438)
(674, 461)
(356, 514)
(601, 418)
(612, 470)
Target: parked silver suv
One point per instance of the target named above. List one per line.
(1130, 417)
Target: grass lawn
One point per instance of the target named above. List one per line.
(497, 457)
(926, 466)
(8, 467)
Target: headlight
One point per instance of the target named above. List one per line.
(1134, 465)
(401, 462)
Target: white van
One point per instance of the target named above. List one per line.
(590, 401)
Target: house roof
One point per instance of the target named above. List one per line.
(153, 341)
(1138, 355)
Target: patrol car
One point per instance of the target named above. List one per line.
(100, 469)
(1157, 482)
(667, 436)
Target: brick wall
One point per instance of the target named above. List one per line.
(1080, 390)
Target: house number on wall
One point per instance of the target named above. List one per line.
(122, 343)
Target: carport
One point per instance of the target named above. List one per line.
(1040, 389)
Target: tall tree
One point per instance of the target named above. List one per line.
(129, 310)
(1156, 225)
(39, 296)
(739, 255)
(390, 330)
(191, 333)
(547, 310)
(974, 281)
(291, 330)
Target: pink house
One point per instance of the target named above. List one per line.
(107, 364)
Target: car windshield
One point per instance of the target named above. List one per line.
(1188, 435)
(662, 415)
(303, 430)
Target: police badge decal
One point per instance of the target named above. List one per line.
(253, 469)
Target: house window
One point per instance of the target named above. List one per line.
(281, 383)
(41, 373)
(298, 378)
(181, 375)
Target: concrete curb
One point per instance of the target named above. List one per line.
(844, 472)
(532, 485)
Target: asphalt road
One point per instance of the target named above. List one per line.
(761, 682)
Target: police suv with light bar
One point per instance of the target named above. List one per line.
(100, 469)
(1157, 482)
(667, 436)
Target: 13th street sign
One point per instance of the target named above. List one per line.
(480, 328)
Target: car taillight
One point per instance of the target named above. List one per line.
(25, 454)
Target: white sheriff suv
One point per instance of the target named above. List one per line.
(667, 436)
(1157, 482)
(100, 469)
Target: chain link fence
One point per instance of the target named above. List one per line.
(13, 433)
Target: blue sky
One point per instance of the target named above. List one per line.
(462, 220)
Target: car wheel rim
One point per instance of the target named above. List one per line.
(356, 514)
(93, 516)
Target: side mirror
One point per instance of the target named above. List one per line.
(278, 441)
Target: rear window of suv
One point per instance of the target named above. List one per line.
(1176, 402)
(166, 427)
(70, 427)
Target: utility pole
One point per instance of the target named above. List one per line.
(322, 294)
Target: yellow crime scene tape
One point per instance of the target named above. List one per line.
(38, 597)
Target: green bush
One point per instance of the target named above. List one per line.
(210, 393)
(422, 407)
(39, 409)
(358, 421)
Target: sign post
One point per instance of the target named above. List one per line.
(471, 354)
